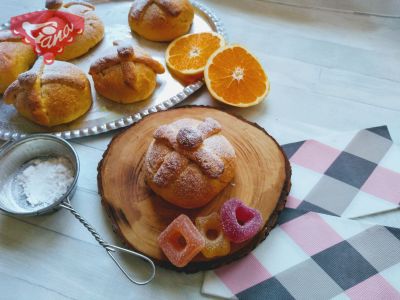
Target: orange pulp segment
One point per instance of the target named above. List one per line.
(187, 56)
(234, 76)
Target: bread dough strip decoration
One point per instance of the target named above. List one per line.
(186, 144)
(168, 6)
(126, 54)
(48, 31)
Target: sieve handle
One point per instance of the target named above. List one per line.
(111, 248)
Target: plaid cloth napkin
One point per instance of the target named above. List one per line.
(349, 175)
(313, 254)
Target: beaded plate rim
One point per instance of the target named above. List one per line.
(125, 121)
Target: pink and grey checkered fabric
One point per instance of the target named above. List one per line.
(314, 254)
(349, 175)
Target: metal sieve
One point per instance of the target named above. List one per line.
(15, 154)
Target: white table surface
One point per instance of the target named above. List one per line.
(330, 71)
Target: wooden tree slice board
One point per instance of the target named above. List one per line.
(262, 181)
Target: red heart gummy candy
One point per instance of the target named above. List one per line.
(239, 222)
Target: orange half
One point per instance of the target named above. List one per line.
(234, 76)
(187, 56)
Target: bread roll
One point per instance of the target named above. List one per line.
(189, 162)
(161, 20)
(127, 76)
(93, 32)
(15, 58)
(50, 95)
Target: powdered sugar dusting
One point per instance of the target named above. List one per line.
(188, 140)
(189, 176)
(139, 7)
(209, 127)
(172, 166)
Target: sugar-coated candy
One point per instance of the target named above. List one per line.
(217, 243)
(181, 241)
(239, 222)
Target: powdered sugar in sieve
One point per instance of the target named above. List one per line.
(41, 181)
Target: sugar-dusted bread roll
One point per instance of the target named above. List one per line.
(189, 162)
(161, 20)
(93, 32)
(127, 76)
(50, 95)
(15, 58)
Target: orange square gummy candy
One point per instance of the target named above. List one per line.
(181, 241)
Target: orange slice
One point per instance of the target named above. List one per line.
(187, 56)
(234, 76)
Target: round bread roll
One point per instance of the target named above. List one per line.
(15, 58)
(161, 20)
(189, 162)
(93, 32)
(127, 76)
(50, 95)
